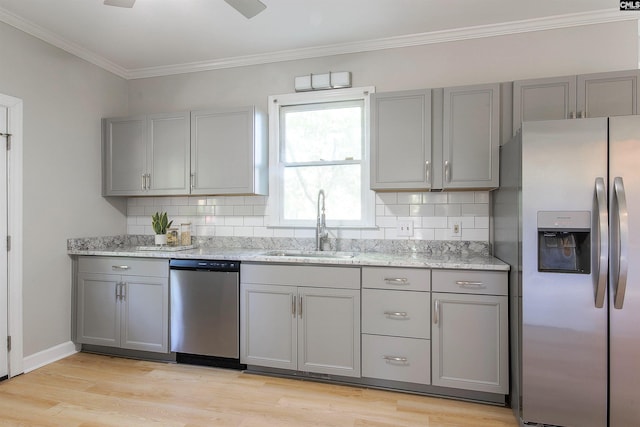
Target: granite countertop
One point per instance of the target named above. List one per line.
(467, 261)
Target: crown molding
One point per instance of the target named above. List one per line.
(444, 36)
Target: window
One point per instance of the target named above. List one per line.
(320, 140)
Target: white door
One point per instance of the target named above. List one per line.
(4, 290)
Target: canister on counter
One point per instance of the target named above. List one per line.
(172, 237)
(185, 233)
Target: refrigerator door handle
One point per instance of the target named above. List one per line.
(603, 242)
(619, 232)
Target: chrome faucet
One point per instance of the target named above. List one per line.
(321, 226)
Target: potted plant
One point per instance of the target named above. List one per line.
(160, 223)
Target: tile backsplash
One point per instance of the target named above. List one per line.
(433, 215)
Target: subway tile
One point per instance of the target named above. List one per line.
(304, 232)
(380, 210)
(243, 210)
(481, 197)
(215, 201)
(372, 233)
(235, 221)
(481, 222)
(346, 233)
(386, 198)
(397, 210)
(476, 209)
(255, 200)
(259, 210)
(422, 210)
(224, 210)
(135, 229)
(481, 234)
(243, 231)
(386, 221)
(435, 222)
(197, 201)
(440, 198)
(461, 197)
(423, 234)
(262, 232)
(135, 210)
(410, 198)
(254, 221)
(205, 210)
(225, 231)
(283, 232)
(447, 210)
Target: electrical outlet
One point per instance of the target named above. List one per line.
(456, 229)
(404, 228)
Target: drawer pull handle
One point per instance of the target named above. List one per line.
(436, 311)
(396, 359)
(120, 267)
(467, 283)
(402, 314)
(397, 280)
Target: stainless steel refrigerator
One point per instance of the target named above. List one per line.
(567, 219)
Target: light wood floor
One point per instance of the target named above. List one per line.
(91, 390)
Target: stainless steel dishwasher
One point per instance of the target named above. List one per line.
(205, 312)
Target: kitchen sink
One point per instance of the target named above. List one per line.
(311, 254)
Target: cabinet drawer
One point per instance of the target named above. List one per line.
(124, 265)
(397, 359)
(470, 282)
(398, 313)
(409, 279)
(301, 275)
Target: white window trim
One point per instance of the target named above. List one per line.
(275, 170)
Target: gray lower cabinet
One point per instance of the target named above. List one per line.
(312, 328)
(123, 302)
(395, 324)
(471, 137)
(569, 97)
(469, 330)
(146, 155)
(401, 140)
(229, 151)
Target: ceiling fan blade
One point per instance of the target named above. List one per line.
(249, 8)
(120, 3)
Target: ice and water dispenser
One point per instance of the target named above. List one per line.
(564, 242)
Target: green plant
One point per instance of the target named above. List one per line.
(160, 222)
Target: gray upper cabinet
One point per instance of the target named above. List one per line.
(568, 97)
(401, 140)
(208, 152)
(471, 137)
(229, 152)
(146, 155)
(543, 99)
(125, 156)
(608, 94)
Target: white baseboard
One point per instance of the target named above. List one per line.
(49, 355)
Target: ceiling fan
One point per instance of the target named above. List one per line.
(249, 8)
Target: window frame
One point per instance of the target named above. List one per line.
(277, 166)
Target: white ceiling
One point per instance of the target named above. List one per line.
(159, 37)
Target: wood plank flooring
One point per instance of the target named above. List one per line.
(92, 390)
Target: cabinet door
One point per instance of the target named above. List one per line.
(608, 94)
(268, 329)
(469, 342)
(125, 156)
(401, 140)
(543, 99)
(145, 313)
(98, 319)
(224, 156)
(471, 137)
(329, 331)
(168, 154)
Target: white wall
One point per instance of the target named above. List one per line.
(586, 49)
(64, 99)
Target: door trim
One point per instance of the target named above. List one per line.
(14, 214)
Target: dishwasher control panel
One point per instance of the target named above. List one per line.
(207, 265)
